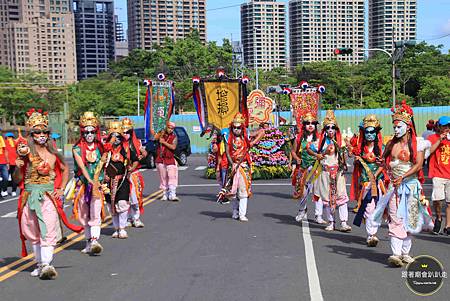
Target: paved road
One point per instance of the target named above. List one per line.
(193, 250)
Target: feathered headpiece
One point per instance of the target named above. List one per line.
(37, 118)
(402, 112)
(127, 124)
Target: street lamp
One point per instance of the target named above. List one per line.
(138, 96)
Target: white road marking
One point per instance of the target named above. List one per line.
(9, 200)
(313, 276)
(11, 214)
(201, 167)
(183, 167)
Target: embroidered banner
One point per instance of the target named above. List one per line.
(222, 102)
(304, 101)
(259, 107)
(160, 107)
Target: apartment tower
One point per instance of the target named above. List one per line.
(263, 34)
(317, 28)
(151, 21)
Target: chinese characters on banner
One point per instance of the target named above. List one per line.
(161, 105)
(222, 102)
(304, 101)
(259, 107)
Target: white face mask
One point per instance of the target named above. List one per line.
(310, 127)
(331, 130)
(400, 129)
(89, 134)
(448, 136)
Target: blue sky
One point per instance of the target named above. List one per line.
(433, 20)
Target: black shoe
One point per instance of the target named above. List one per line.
(437, 227)
(447, 231)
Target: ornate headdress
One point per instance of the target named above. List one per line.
(37, 118)
(371, 121)
(115, 127)
(127, 124)
(329, 118)
(309, 117)
(402, 112)
(89, 119)
(238, 119)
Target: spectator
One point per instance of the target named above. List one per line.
(12, 156)
(430, 129)
(3, 167)
(440, 172)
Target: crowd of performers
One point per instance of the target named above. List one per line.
(386, 184)
(106, 179)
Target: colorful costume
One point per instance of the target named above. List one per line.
(303, 176)
(133, 144)
(367, 178)
(330, 186)
(238, 154)
(12, 156)
(407, 209)
(39, 211)
(116, 178)
(166, 164)
(88, 198)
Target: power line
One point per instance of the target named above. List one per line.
(436, 38)
(223, 7)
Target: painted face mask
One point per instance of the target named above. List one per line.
(89, 134)
(117, 140)
(237, 130)
(40, 136)
(331, 130)
(370, 133)
(400, 128)
(310, 126)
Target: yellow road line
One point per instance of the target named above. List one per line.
(149, 199)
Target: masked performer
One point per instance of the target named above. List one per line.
(304, 152)
(89, 199)
(330, 186)
(407, 207)
(133, 144)
(367, 178)
(218, 143)
(117, 190)
(165, 162)
(42, 173)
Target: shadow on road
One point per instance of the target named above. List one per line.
(282, 218)
(202, 196)
(7, 260)
(216, 215)
(360, 253)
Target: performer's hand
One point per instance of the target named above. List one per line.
(58, 193)
(398, 181)
(91, 181)
(19, 163)
(161, 140)
(319, 157)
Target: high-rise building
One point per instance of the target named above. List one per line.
(95, 36)
(263, 26)
(391, 21)
(316, 28)
(39, 35)
(151, 21)
(119, 31)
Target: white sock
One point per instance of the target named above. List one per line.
(123, 219)
(243, 207)
(319, 208)
(328, 215)
(95, 232)
(396, 245)
(47, 254)
(37, 253)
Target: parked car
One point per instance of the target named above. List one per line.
(182, 151)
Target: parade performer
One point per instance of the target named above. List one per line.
(4, 174)
(133, 144)
(165, 162)
(407, 207)
(88, 198)
(237, 151)
(439, 172)
(367, 177)
(330, 186)
(117, 189)
(42, 173)
(304, 152)
(12, 156)
(218, 143)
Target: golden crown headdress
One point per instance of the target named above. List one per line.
(115, 127)
(89, 119)
(329, 118)
(371, 121)
(239, 118)
(309, 117)
(402, 112)
(37, 118)
(127, 124)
